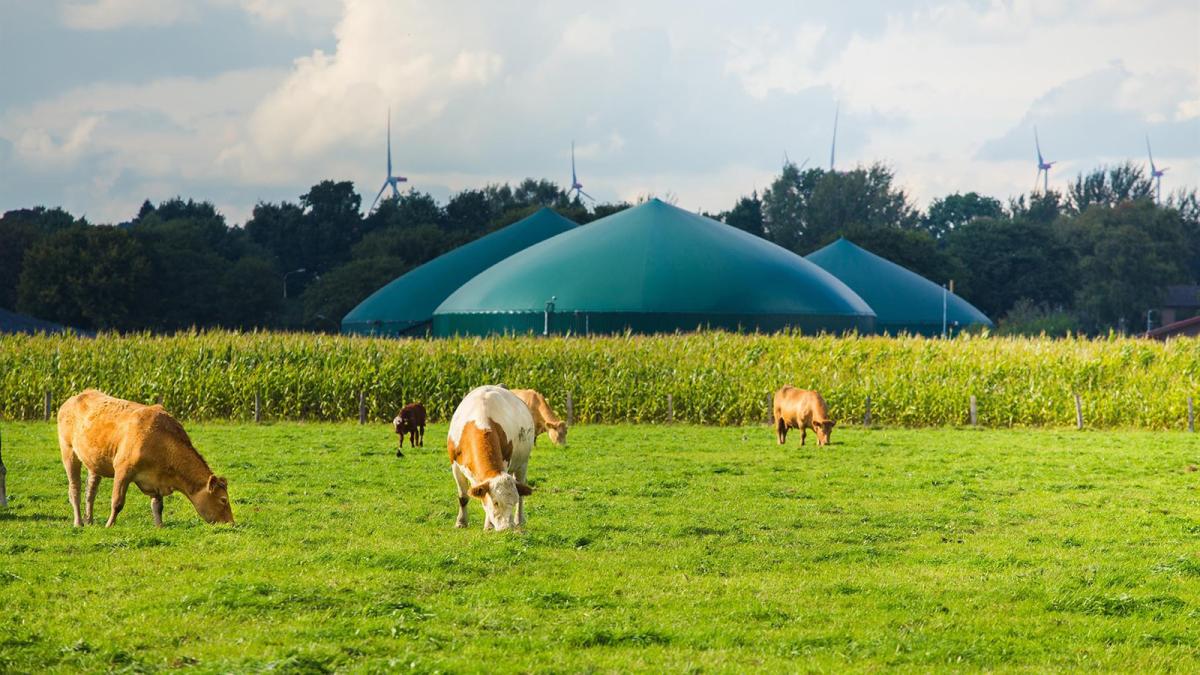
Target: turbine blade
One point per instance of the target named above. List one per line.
(574, 180)
(833, 146)
(1038, 144)
(587, 195)
(378, 195)
(389, 141)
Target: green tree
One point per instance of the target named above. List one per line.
(1128, 255)
(93, 277)
(328, 300)
(414, 245)
(20, 229)
(1003, 261)
(801, 210)
(1109, 186)
(746, 215)
(251, 293)
(469, 211)
(957, 210)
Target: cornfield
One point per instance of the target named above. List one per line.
(705, 378)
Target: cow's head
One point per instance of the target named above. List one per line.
(212, 501)
(500, 496)
(400, 425)
(823, 429)
(557, 433)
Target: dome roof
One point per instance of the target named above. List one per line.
(407, 303)
(652, 268)
(904, 301)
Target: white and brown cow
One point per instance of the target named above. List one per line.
(491, 436)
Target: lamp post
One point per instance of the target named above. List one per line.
(285, 276)
(549, 311)
(945, 296)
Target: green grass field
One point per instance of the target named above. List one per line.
(648, 548)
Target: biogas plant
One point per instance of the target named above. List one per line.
(654, 268)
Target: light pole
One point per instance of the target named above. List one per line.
(1149, 312)
(285, 276)
(945, 297)
(549, 311)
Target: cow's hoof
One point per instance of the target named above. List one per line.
(461, 524)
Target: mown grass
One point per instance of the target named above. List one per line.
(648, 548)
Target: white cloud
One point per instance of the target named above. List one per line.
(698, 99)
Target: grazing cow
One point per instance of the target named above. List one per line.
(134, 443)
(801, 409)
(411, 421)
(491, 436)
(544, 419)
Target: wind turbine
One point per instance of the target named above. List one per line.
(1043, 165)
(1156, 173)
(833, 146)
(576, 186)
(394, 181)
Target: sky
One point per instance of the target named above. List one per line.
(106, 103)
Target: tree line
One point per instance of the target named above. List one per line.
(1092, 258)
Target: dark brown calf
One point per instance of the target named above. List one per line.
(411, 421)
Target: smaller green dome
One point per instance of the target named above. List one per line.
(406, 304)
(904, 301)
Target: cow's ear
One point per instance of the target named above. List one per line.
(523, 489)
(478, 491)
(214, 483)
(830, 423)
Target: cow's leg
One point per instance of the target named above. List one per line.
(120, 486)
(520, 497)
(156, 504)
(781, 430)
(72, 464)
(463, 485)
(803, 433)
(400, 450)
(92, 486)
(421, 435)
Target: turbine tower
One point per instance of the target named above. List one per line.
(576, 186)
(1156, 173)
(392, 180)
(1043, 165)
(833, 146)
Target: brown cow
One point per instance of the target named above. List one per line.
(490, 439)
(411, 421)
(544, 419)
(801, 409)
(134, 443)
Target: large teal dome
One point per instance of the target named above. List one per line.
(406, 304)
(652, 268)
(904, 301)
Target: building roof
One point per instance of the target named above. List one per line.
(904, 301)
(653, 268)
(407, 303)
(1184, 328)
(11, 322)
(1186, 296)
